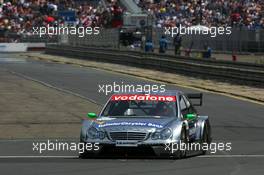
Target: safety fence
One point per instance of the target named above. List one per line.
(240, 40)
(106, 38)
(42, 39)
(8, 37)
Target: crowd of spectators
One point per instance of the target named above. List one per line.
(234, 13)
(20, 16)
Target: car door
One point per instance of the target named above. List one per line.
(187, 108)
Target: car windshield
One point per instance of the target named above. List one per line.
(140, 106)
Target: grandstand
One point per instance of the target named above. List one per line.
(234, 13)
(18, 17)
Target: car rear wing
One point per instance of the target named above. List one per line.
(196, 96)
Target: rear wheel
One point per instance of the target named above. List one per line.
(206, 139)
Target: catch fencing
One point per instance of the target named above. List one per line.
(240, 40)
(106, 38)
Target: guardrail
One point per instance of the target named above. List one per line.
(239, 73)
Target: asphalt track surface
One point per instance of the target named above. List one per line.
(233, 120)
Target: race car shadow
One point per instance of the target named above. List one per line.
(136, 154)
(142, 157)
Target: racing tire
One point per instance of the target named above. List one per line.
(181, 154)
(87, 154)
(206, 137)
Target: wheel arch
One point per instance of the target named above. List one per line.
(202, 123)
(85, 125)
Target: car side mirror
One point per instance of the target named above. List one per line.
(190, 116)
(91, 115)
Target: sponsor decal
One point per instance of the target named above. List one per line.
(130, 124)
(143, 97)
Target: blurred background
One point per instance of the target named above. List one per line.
(135, 24)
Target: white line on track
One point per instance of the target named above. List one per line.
(14, 157)
(54, 87)
(233, 156)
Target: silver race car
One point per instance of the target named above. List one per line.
(161, 123)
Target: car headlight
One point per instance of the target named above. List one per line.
(155, 136)
(93, 133)
(101, 135)
(162, 135)
(165, 134)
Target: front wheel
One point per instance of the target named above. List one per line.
(181, 153)
(86, 154)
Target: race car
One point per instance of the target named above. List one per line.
(159, 122)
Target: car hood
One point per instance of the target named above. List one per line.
(132, 124)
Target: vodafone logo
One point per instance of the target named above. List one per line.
(143, 97)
